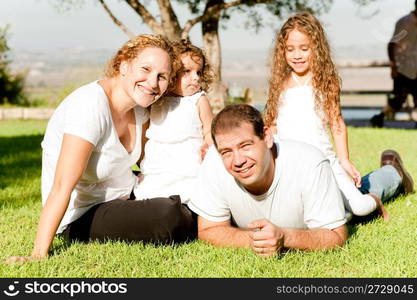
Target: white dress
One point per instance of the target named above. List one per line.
(298, 120)
(172, 153)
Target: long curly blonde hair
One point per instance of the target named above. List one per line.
(325, 80)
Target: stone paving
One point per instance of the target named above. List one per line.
(25, 113)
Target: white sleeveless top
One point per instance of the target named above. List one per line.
(298, 119)
(172, 153)
(175, 119)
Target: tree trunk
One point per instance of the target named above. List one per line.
(211, 41)
(169, 21)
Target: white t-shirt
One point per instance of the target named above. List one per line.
(86, 113)
(303, 195)
(405, 38)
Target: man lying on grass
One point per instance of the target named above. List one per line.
(279, 194)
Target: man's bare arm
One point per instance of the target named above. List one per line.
(391, 49)
(223, 234)
(315, 239)
(265, 238)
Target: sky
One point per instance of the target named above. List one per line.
(37, 25)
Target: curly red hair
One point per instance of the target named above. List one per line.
(132, 48)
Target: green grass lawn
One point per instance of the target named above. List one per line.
(374, 249)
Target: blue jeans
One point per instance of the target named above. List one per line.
(384, 182)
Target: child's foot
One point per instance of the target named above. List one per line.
(382, 211)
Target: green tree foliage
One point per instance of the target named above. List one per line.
(11, 85)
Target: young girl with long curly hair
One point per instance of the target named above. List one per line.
(304, 104)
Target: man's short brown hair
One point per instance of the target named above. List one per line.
(232, 116)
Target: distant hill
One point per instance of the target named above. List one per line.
(244, 68)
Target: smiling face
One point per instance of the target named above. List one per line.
(189, 80)
(247, 157)
(146, 78)
(298, 52)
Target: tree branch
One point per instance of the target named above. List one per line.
(169, 19)
(146, 16)
(242, 2)
(189, 24)
(116, 21)
(209, 12)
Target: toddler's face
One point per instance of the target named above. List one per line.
(298, 52)
(189, 80)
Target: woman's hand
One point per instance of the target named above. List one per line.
(22, 259)
(203, 151)
(349, 167)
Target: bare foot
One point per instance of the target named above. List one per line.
(19, 259)
(382, 211)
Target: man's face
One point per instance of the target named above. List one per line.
(247, 157)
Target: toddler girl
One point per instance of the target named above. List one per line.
(179, 130)
(304, 104)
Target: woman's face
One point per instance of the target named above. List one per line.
(298, 52)
(146, 78)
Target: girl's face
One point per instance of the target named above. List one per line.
(189, 80)
(298, 52)
(146, 78)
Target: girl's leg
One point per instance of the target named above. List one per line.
(355, 202)
(157, 220)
